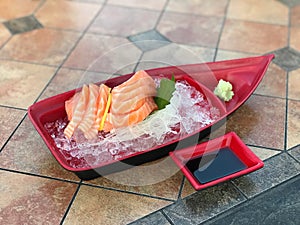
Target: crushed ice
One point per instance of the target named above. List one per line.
(187, 112)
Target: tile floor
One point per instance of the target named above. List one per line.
(46, 47)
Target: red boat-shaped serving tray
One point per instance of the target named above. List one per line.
(244, 75)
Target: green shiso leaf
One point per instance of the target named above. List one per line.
(164, 92)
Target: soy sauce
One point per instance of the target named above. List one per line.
(215, 165)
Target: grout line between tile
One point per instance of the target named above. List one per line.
(268, 148)
(292, 157)
(62, 29)
(259, 22)
(194, 14)
(13, 132)
(166, 216)
(181, 188)
(239, 190)
(2, 46)
(287, 87)
(161, 14)
(12, 107)
(47, 84)
(286, 112)
(269, 96)
(295, 100)
(138, 62)
(106, 34)
(221, 31)
(39, 175)
(152, 213)
(39, 6)
(273, 156)
(128, 192)
(70, 204)
(20, 61)
(130, 7)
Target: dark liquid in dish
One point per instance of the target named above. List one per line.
(215, 165)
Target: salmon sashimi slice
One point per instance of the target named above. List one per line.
(130, 95)
(130, 101)
(69, 105)
(141, 114)
(132, 80)
(145, 81)
(103, 92)
(91, 109)
(123, 120)
(78, 112)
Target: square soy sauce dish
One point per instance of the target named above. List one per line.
(216, 161)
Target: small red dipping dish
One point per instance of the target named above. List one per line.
(216, 161)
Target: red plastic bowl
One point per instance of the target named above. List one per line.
(229, 141)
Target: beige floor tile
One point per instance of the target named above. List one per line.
(294, 38)
(101, 206)
(199, 7)
(267, 11)
(68, 79)
(150, 4)
(160, 178)
(273, 82)
(295, 16)
(243, 36)
(67, 14)
(125, 22)
(32, 200)
(294, 85)
(112, 55)
(4, 34)
(293, 125)
(190, 29)
(175, 54)
(263, 153)
(9, 118)
(27, 152)
(254, 122)
(17, 8)
(228, 55)
(187, 189)
(17, 79)
(50, 46)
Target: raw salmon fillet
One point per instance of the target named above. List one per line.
(78, 112)
(133, 117)
(131, 102)
(91, 110)
(101, 101)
